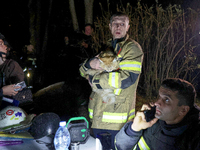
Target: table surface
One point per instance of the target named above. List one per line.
(33, 145)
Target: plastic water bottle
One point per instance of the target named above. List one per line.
(62, 137)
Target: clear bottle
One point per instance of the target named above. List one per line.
(62, 137)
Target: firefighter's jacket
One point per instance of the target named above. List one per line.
(124, 83)
(181, 136)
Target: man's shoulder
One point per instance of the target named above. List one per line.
(132, 42)
(12, 62)
(132, 46)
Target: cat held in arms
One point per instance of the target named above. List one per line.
(108, 63)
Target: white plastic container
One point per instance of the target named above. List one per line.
(62, 137)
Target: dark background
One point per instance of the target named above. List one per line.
(15, 22)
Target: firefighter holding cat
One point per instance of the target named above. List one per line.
(111, 117)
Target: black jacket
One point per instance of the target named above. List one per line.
(182, 136)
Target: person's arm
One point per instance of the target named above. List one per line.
(126, 138)
(16, 73)
(9, 90)
(92, 63)
(130, 134)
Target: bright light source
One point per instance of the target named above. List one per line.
(24, 69)
(28, 75)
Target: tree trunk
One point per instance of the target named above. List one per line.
(35, 24)
(39, 43)
(73, 15)
(89, 11)
(35, 35)
(44, 45)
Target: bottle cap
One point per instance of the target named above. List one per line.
(62, 123)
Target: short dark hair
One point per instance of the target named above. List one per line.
(118, 14)
(186, 91)
(89, 24)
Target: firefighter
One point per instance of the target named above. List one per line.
(175, 126)
(106, 117)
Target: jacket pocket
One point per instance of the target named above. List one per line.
(122, 105)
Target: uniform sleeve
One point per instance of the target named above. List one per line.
(127, 75)
(124, 141)
(84, 67)
(16, 73)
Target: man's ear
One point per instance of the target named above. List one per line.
(127, 28)
(184, 110)
(110, 26)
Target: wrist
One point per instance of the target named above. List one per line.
(130, 132)
(135, 127)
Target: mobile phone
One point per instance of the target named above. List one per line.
(21, 84)
(150, 114)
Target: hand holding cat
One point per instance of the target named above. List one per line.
(95, 64)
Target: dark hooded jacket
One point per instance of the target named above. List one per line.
(182, 136)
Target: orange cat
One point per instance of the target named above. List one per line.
(108, 62)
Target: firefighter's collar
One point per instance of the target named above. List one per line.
(114, 42)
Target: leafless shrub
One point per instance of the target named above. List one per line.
(168, 39)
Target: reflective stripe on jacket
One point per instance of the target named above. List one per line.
(142, 145)
(123, 82)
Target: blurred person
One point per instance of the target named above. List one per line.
(8, 90)
(106, 117)
(10, 68)
(176, 124)
(11, 74)
(86, 43)
(83, 42)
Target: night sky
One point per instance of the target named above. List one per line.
(15, 16)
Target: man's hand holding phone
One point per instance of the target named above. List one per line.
(140, 121)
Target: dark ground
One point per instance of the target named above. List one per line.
(67, 99)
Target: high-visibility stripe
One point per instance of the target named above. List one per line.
(119, 56)
(117, 91)
(114, 117)
(131, 114)
(83, 69)
(132, 65)
(135, 147)
(115, 144)
(113, 79)
(142, 144)
(82, 74)
(90, 113)
(132, 111)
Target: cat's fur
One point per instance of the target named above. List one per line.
(108, 62)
